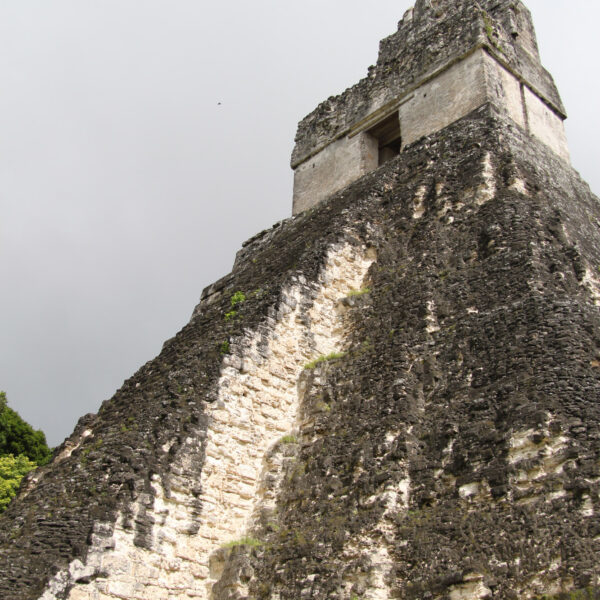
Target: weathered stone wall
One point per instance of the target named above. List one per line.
(332, 169)
(445, 99)
(257, 405)
(427, 42)
(446, 59)
(544, 124)
(505, 91)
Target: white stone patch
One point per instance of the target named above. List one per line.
(403, 495)
(70, 447)
(373, 548)
(391, 436)
(592, 284)
(419, 202)
(431, 318)
(518, 185)
(522, 447)
(487, 190)
(380, 566)
(557, 495)
(469, 489)
(447, 451)
(587, 510)
(257, 403)
(472, 588)
(476, 491)
(548, 456)
(484, 192)
(373, 582)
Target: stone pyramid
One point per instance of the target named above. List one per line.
(394, 394)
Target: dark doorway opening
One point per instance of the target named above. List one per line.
(387, 134)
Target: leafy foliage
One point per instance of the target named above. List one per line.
(21, 449)
(12, 470)
(18, 437)
(238, 298)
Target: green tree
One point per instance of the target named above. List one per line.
(18, 437)
(12, 470)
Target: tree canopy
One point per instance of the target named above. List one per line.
(21, 449)
(18, 437)
(12, 471)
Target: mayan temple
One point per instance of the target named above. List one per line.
(395, 394)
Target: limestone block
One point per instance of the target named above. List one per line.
(122, 588)
(145, 571)
(504, 89)
(333, 168)
(445, 99)
(117, 564)
(546, 125)
(83, 592)
(473, 588)
(154, 592)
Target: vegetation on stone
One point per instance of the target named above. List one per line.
(324, 358)
(232, 314)
(237, 298)
(289, 439)
(244, 541)
(361, 292)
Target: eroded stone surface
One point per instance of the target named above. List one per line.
(257, 405)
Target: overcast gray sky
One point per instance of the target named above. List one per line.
(126, 188)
